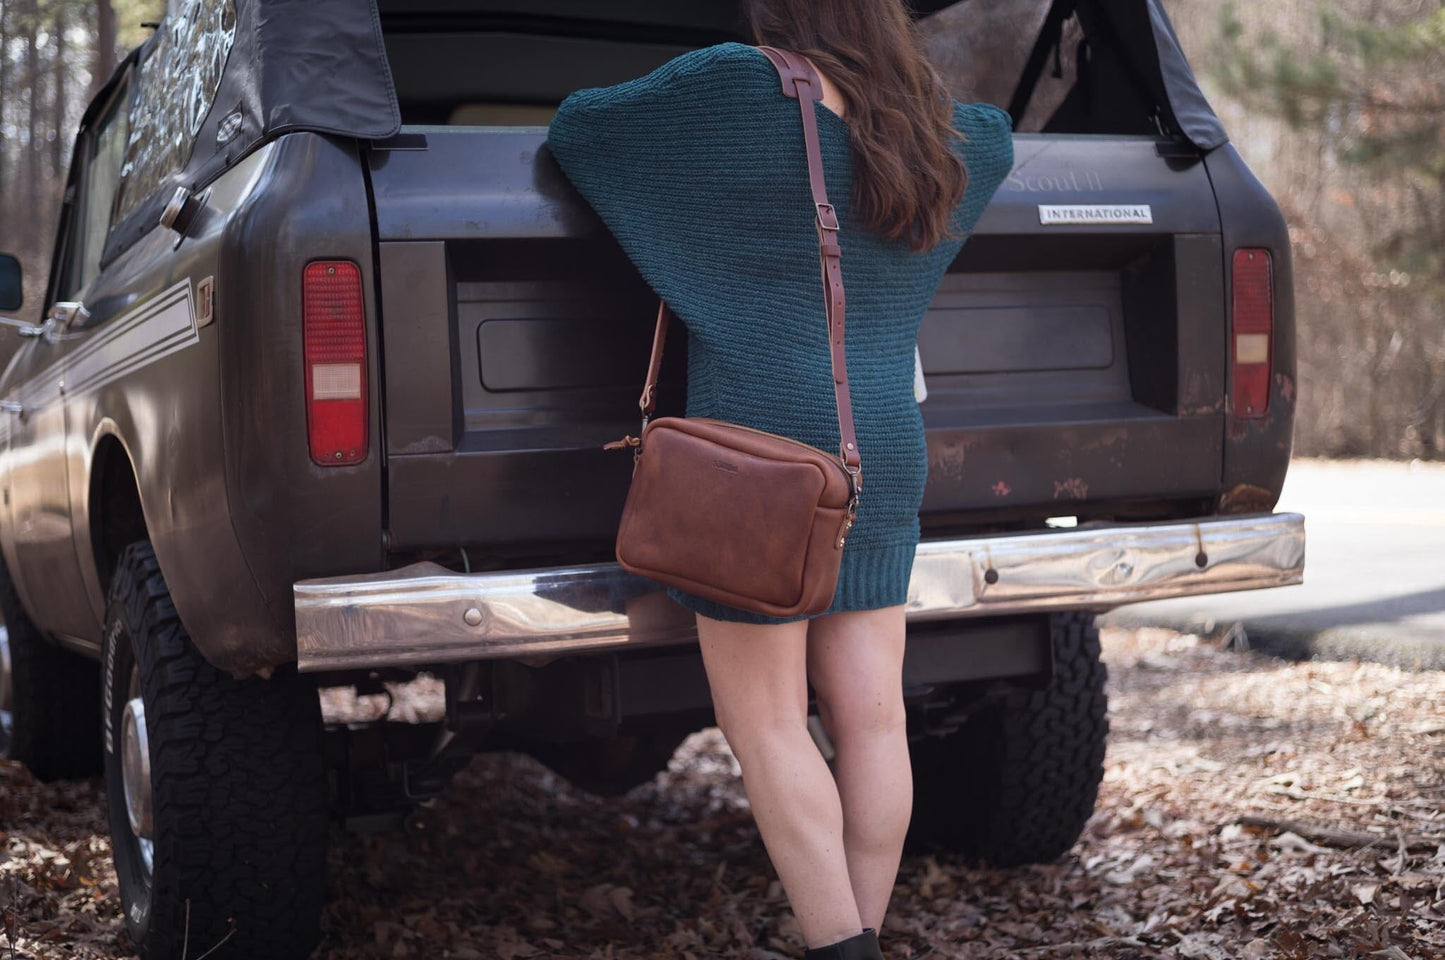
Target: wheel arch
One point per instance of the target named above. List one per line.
(115, 515)
(130, 493)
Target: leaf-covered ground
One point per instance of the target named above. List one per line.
(1251, 808)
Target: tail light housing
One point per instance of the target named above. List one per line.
(1251, 351)
(334, 324)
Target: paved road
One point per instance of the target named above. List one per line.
(1374, 583)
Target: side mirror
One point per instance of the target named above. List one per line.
(12, 293)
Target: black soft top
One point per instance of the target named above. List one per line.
(282, 65)
(274, 65)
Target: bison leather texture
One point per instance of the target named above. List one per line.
(731, 513)
(736, 515)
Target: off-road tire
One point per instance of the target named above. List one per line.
(238, 788)
(1018, 781)
(55, 716)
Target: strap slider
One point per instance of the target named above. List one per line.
(827, 219)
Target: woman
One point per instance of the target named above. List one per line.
(698, 169)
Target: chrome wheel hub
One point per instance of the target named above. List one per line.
(135, 758)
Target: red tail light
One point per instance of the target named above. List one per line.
(335, 358)
(1251, 354)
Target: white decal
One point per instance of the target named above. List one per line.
(165, 324)
(1091, 213)
(142, 335)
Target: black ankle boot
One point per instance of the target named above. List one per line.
(860, 946)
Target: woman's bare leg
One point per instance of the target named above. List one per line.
(756, 673)
(855, 663)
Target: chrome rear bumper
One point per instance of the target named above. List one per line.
(425, 613)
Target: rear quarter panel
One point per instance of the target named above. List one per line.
(212, 415)
(293, 518)
(147, 378)
(1257, 450)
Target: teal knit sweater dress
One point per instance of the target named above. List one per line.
(698, 169)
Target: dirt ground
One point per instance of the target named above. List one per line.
(1251, 808)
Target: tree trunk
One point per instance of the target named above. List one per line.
(4, 102)
(105, 39)
(58, 158)
(32, 122)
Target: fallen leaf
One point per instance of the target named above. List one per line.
(1365, 892)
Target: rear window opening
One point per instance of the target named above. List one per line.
(1061, 66)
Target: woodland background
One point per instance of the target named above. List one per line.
(1338, 105)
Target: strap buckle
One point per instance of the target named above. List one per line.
(827, 217)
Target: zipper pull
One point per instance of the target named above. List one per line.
(848, 520)
(628, 440)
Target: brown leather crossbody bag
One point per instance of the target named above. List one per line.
(731, 513)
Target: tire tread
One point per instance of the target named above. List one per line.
(239, 774)
(1017, 783)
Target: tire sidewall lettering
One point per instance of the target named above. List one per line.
(113, 637)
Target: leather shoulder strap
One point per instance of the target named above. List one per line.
(799, 81)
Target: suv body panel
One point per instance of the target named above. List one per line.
(1076, 369)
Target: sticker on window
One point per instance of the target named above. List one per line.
(177, 82)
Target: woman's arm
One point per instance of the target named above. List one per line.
(987, 152)
(646, 154)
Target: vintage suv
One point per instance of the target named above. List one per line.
(330, 350)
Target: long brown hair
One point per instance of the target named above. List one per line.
(906, 179)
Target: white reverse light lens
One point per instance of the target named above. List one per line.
(1251, 347)
(336, 381)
